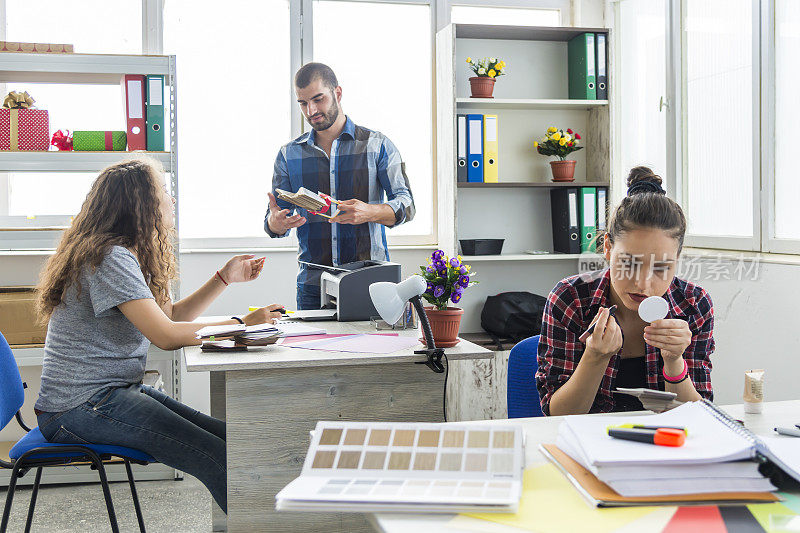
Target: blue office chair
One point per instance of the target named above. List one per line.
(521, 395)
(33, 450)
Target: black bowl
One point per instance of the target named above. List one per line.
(481, 246)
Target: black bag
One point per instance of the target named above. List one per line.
(512, 316)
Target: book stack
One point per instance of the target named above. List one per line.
(720, 461)
(477, 148)
(239, 336)
(588, 79)
(304, 198)
(143, 97)
(579, 219)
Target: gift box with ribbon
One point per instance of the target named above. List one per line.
(23, 128)
(99, 141)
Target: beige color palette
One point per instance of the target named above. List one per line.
(410, 466)
(414, 448)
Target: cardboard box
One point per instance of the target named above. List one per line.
(18, 316)
(37, 48)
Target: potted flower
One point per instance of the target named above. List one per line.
(560, 143)
(447, 279)
(486, 72)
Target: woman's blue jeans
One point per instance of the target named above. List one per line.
(142, 418)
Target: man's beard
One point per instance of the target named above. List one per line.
(328, 118)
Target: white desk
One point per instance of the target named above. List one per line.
(271, 398)
(544, 430)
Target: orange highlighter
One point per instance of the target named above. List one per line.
(660, 436)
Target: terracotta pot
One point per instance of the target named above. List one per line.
(563, 170)
(482, 86)
(444, 325)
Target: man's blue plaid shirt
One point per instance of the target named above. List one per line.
(364, 165)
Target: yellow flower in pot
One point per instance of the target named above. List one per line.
(560, 144)
(486, 70)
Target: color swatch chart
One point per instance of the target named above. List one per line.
(440, 465)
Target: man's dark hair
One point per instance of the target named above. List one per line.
(311, 71)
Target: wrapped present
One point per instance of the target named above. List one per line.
(36, 48)
(99, 141)
(23, 128)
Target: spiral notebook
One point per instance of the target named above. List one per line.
(714, 438)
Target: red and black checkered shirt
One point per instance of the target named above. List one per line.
(569, 311)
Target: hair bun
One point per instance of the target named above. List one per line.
(642, 179)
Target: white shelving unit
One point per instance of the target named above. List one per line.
(530, 98)
(525, 103)
(68, 161)
(527, 257)
(87, 69)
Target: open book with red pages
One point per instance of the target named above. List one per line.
(316, 203)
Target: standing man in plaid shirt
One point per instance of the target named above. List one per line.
(578, 372)
(359, 167)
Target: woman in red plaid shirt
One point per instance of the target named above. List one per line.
(578, 372)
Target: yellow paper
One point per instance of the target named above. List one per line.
(551, 504)
(763, 511)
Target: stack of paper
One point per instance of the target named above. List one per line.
(716, 458)
(238, 336)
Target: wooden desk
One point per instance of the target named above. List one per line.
(544, 430)
(272, 397)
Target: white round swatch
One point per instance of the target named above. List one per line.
(653, 308)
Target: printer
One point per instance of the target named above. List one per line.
(346, 287)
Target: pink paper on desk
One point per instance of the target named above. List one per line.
(362, 343)
(304, 338)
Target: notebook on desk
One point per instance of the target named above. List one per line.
(599, 494)
(718, 455)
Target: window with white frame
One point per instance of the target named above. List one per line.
(92, 26)
(641, 57)
(718, 128)
(235, 94)
(786, 192)
(234, 88)
(385, 71)
(510, 16)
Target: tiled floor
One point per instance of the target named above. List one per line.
(167, 506)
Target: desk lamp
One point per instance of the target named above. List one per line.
(390, 302)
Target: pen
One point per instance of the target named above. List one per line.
(611, 311)
(651, 428)
(661, 436)
(281, 311)
(790, 432)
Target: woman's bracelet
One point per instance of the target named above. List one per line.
(679, 378)
(221, 278)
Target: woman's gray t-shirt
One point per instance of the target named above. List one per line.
(90, 344)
